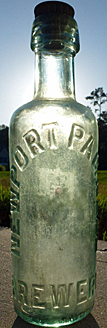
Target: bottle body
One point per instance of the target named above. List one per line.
(53, 155)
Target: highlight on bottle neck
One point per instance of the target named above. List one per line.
(54, 28)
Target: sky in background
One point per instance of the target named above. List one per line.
(17, 60)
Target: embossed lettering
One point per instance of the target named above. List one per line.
(95, 164)
(82, 291)
(60, 296)
(13, 173)
(20, 158)
(91, 286)
(14, 200)
(50, 128)
(14, 287)
(38, 297)
(32, 140)
(42, 297)
(77, 134)
(22, 292)
(87, 148)
(15, 207)
(15, 223)
(15, 244)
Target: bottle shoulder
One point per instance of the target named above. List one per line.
(63, 107)
(65, 115)
(63, 120)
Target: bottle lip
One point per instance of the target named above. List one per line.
(57, 7)
(55, 33)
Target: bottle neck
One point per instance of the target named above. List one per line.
(54, 75)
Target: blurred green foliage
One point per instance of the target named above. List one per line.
(102, 202)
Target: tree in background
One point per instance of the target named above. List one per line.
(97, 98)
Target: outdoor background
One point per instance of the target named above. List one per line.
(17, 81)
(17, 60)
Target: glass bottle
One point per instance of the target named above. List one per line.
(53, 164)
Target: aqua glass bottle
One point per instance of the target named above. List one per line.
(53, 165)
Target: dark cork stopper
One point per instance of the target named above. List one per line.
(57, 7)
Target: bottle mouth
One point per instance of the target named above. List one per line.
(55, 33)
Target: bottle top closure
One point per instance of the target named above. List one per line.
(57, 7)
(54, 28)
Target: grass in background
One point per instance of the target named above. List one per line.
(102, 202)
(102, 183)
(102, 205)
(5, 179)
(5, 198)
